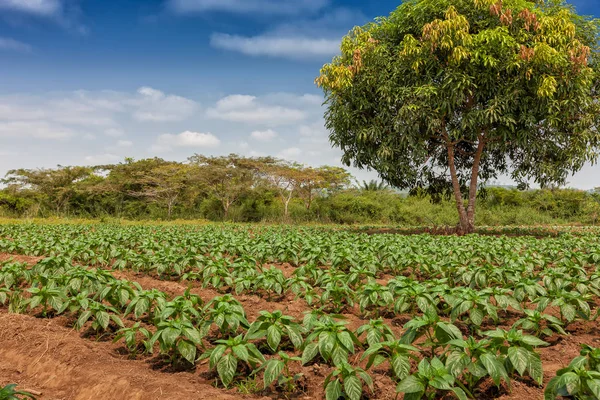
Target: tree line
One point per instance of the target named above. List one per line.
(119, 189)
(251, 189)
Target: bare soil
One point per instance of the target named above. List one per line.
(48, 356)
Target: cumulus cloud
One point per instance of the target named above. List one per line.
(62, 115)
(248, 109)
(290, 153)
(124, 143)
(14, 45)
(167, 142)
(35, 129)
(300, 39)
(264, 136)
(39, 7)
(114, 132)
(65, 13)
(272, 7)
(289, 125)
(155, 106)
(100, 159)
(296, 47)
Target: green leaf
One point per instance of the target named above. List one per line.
(295, 337)
(494, 367)
(272, 371)
(273, 337)
(568, 311)
(216, 354)
(169, 336)
(410, 384)
(346, 339)
(193, 335)
(241, 352)
(83, 318)
(141, 307)
(533, 341)
(535, 368)
(401, 366)
(594, 386)
(333, 391)
(519, 358)
(476, 316)
(353, 387)
(187, 350)
(310, 351)
(226, 368)
(459, 393)
(446, 332)
(339, 355)
(568, 383)
(373, 336)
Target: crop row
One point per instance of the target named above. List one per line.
(182, 325)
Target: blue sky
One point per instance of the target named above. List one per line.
(94, 81)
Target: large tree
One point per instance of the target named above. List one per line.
(58, 185)
(311, 182)
(442, 93)
(226, 178)
(155, 180)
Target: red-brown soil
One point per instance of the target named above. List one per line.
(48, 356)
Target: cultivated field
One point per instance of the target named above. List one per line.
(228, 312)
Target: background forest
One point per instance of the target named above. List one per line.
(241, 189)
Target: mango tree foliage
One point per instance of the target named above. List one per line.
(442, 93)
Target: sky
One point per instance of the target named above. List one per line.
(86, 82)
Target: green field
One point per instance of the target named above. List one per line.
(431, 316)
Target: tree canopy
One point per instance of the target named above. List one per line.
(442, 93)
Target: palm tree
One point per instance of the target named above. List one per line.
(373, 186)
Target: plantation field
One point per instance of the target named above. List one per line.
(92, 311)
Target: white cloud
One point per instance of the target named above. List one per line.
(301, 39)
(114, 132)
(248, 109)
(97, 159)
(69, 120)
(290, 153)
(273, 7)
(14, 45)
(167, 142)
(235, 101)
(34, 129)
(151, 92)
(314, 134)
(62, 115)
(124, 143)
(155, 106)
(297, 47)
(264, 136)
(65, 13)
(39, 7)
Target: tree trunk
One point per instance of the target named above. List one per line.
(458, 198)
(473, 186)
(466, 215)
(226, 206)
(285, 208)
